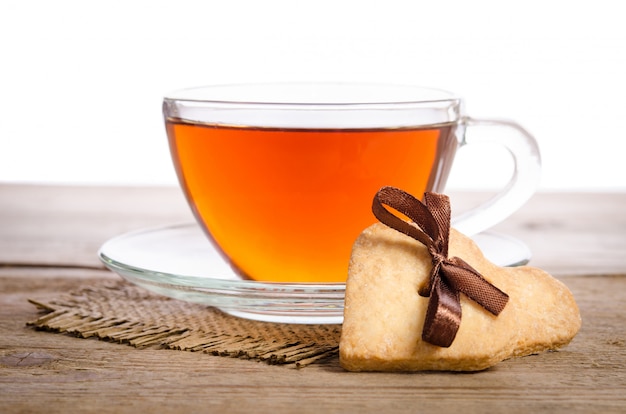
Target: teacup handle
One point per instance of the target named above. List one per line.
(522, 185)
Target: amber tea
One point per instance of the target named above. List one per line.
(286, 204)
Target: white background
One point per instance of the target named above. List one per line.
(81, 82)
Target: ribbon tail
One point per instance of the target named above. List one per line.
(464, 278)
(443, 316)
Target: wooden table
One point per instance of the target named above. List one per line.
(49, 236)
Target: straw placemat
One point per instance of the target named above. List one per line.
(123, 313)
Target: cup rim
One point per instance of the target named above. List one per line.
(313, 94)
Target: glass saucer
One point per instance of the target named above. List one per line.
(180, 262)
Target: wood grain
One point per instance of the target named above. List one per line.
(72, 373)
(42, 371)
(65, 226)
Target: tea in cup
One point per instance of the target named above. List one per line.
(281, 176)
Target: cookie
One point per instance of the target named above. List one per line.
(384, 312)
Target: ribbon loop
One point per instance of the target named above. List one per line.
(443, 315)
(449, 276)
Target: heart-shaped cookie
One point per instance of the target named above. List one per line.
(384, 311)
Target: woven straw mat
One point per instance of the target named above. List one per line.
(123, 313)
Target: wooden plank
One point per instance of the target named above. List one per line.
(66, 225)
(60, 373)
(568, 233)
(573, 233)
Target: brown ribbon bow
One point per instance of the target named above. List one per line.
(449, 276)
